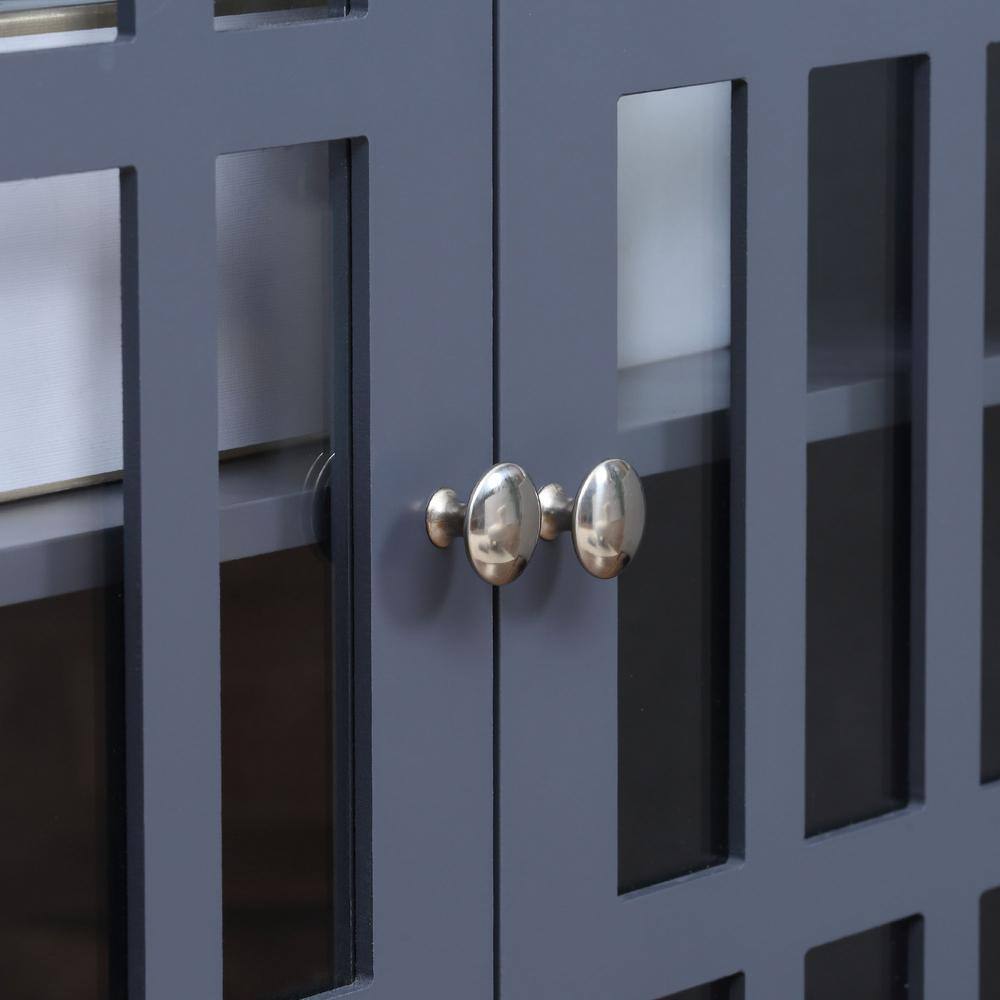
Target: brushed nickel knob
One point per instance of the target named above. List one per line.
(605, 519)
(500, 523)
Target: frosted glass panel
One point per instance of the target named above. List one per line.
(674, 149)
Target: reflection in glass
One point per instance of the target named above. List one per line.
(991, 595)
(860, 306)
(993, 200)
(989, 945)
(673, 682)
(278, 775)
(880, 964)
(226, 7)
(861, 173)
(990, 748)
(60, 317)
(62, 893)
(857, 643)
(52, 23)
(674, 180)
(676, 218)
(285, 627)
(274, 229)
(247, 13)
(721, 989)
(61, 770)
(30, 24)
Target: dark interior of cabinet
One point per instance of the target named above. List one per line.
(62, 878)
(991, 596)
(722, 989)
(858, 632)
(989, 945)
(673, 682)
(862, 121)
(880, 964)
(281, 774)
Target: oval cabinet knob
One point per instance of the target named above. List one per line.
(606, 518)
(500, 523)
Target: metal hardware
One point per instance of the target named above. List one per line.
(500, 523)
(606, 518)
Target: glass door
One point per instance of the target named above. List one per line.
(740, 248)
(247, 709)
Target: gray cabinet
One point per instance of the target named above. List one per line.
(302, 752)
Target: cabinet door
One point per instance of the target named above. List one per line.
(740, 246)
(291, 788)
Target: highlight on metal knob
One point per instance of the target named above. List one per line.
(500, 523)
(605, 519)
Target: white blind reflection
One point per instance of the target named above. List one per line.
(673, 223)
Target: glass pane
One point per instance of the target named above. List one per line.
(673, 280)
(861, 168)
(61, 595)
(721, 989)
(989, 945)
(674, 166)
(285, 666)
(32, 24)
(248, 13)
(991, 435)
(857, 598)
(991, 595)
(674, 330)
(880, 964)
(61, 769)
(60, 317)
(993, 201)
(673, 682)
(278, 780)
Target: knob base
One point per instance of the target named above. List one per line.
(445, 518)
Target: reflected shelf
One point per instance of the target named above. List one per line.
(672, 414)
(58, 543)
(63, 542)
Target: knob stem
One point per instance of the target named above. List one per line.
(557, 511)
